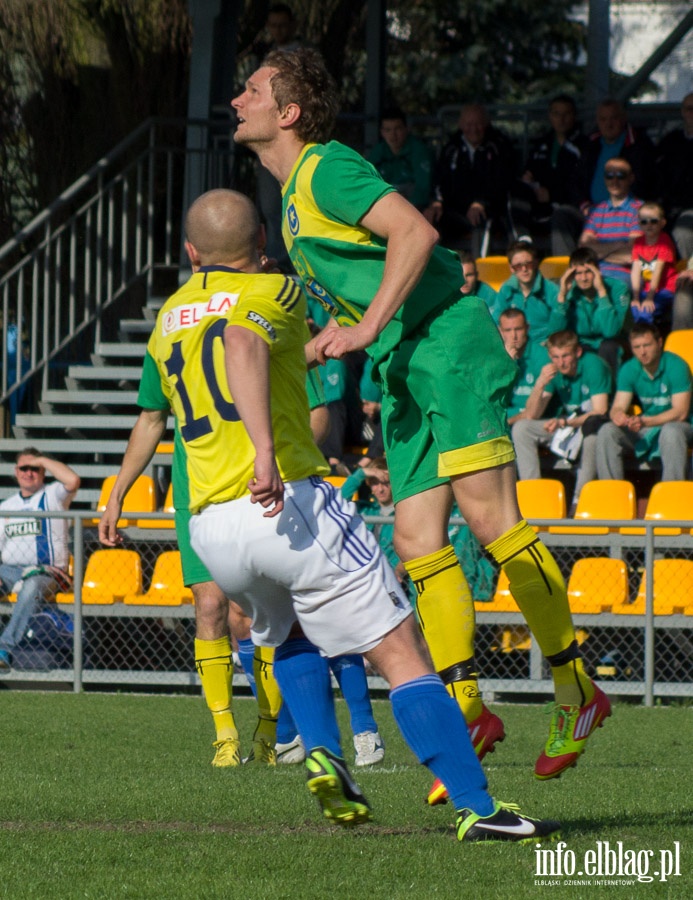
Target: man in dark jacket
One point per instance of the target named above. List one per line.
(675, 179)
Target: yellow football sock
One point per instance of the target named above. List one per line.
(446, 614)
(214, 664)
(269, 698)
(539, 590)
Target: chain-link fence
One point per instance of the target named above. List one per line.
(128, 619)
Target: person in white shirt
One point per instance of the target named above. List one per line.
(34, 552)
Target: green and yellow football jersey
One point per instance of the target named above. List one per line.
(187, 347)
(341, 263)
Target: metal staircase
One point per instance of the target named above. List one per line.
(82, 284)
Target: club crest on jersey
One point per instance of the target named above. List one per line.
(263, 323)
(292, 218)
(190, 314)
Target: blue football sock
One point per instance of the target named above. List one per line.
(246, 654)
(303, 676)
(286, 727)
(350, 673)
(433, 726)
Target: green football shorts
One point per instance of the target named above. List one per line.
(446, 390)
(194, 570)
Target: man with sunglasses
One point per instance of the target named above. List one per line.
(34, 551)
(613, 225)
(528, 290)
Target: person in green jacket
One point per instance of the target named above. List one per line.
(404, 161)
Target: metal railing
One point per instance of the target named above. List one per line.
(131, 644)
(109, 231)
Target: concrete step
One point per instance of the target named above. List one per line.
(104, 373)
(118, 353)
(135, 329)
(97, 399)
(29, 424)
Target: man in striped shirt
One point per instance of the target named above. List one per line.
(613, 225)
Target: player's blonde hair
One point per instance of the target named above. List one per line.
(222, 225)
(301, 77)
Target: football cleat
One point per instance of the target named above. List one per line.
(228, 753)
(505, 823)
(261, 752)
(290, 753)
(338, 795)
(485, 731)
(570, 727)
(369, 747)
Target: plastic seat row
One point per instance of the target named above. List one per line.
(494, 270)
(600, 584)
(115, 576)
(544, 498)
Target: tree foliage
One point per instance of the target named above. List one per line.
(76, 76)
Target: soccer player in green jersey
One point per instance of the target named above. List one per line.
(372, 260)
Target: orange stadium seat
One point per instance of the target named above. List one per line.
(668, 500)
(493, 270)
(673, 589)
(140, 498)
(541, 498)
(166, 588)
(110, 575)
(553, 267)
(597, 584)
(601, 499)
(681, 343)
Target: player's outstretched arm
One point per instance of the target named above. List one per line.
(410, 242)
(144, 438)
(247, 371)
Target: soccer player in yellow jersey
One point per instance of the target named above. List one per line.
(281, 541)
(372, 260)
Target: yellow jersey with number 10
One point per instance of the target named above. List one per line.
(187, 346)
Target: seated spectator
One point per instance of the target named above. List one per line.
(35, 552)
(551, 186)
(404, 161)
(581, 385)
(472, 286)
(471, 180)
(614, 224)
(615, 138)
(530, 357)
(528, 290)
(682, 313)
(674, 167)
(653, 273)
(597, 306)
(660, 383)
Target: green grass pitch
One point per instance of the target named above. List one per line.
(113, 796)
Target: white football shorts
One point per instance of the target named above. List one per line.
(316, 562)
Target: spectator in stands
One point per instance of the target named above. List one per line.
(472, 285)
(674, 167)
(615, 138)
(614, 224)
(472, 179)
(34, 551)
(530, 357)
(682, 313)
(597, 306)
(404, 161)
(528, 290)
(653, 272)
(551, 186)
(581, 385)
(660, 383)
